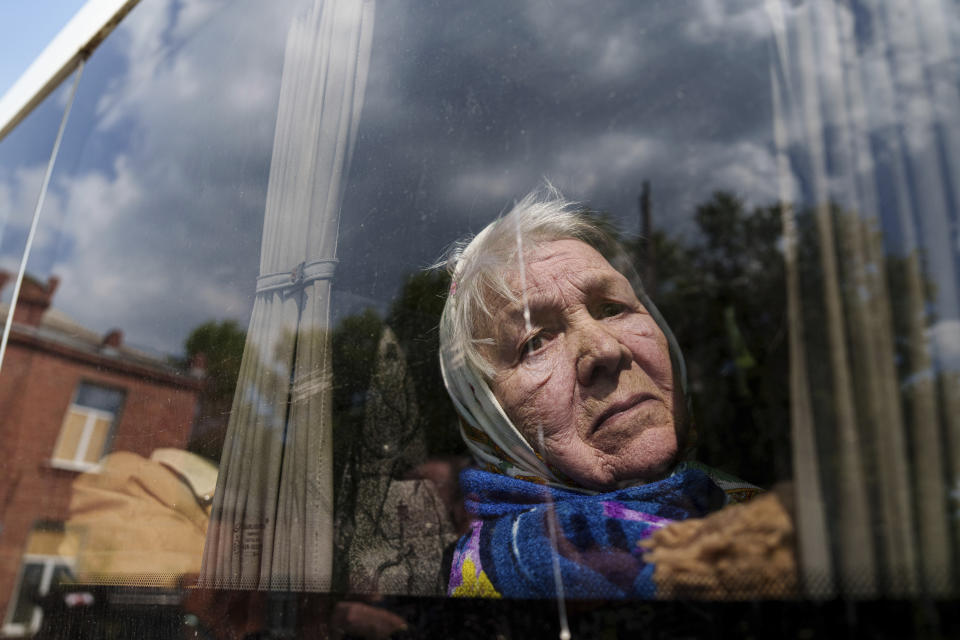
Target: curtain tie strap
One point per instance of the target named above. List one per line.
(292, 281)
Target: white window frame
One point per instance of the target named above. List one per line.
(50, 563)
(78, 463)
(76, 41)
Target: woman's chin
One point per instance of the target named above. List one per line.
(648, 457)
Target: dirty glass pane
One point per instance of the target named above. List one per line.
(131, 322)
(866, 101)
(658, 116)
(239, 236)
(751, 145)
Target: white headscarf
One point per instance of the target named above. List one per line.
(496, 444)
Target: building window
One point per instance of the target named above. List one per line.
(87, 426)
(46, 563)
(37, 575)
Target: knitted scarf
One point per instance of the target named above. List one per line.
(509, 551)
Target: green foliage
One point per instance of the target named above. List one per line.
(723, 296)
(415, 318)
(353, 352)
(221, 343)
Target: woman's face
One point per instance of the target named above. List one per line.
(591, 369)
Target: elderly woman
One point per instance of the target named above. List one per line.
(571, 393)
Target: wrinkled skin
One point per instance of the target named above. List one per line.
(592, 369)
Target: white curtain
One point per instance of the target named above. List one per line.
(271, 525)
(867, 116)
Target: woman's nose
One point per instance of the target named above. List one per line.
(600, 353)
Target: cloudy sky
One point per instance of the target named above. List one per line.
(155, 213)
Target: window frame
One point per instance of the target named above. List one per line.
(92, 414)
(75, 42)
(49, 563)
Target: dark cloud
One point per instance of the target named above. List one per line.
(470, 106)
(156, 211)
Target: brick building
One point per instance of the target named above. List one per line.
(68, 396)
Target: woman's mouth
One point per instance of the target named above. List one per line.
(620, 411)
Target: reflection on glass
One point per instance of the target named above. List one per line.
(87, 425)
(27, 594)
(273, 515)
(636, 95)
(143, 268)
(45, 566)
(880, 307)
(790, 169)
(24, 155)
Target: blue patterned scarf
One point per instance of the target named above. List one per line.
(508, 552)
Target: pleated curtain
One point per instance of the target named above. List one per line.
(271, 524)
(866, 117)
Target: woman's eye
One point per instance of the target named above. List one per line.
(610, 309)
(534, 344)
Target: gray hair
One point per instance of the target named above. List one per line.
(480, 267)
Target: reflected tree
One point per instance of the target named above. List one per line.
(217, 347)
(353, 353)
(723, 293)
(392, 416)
(415, 318)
